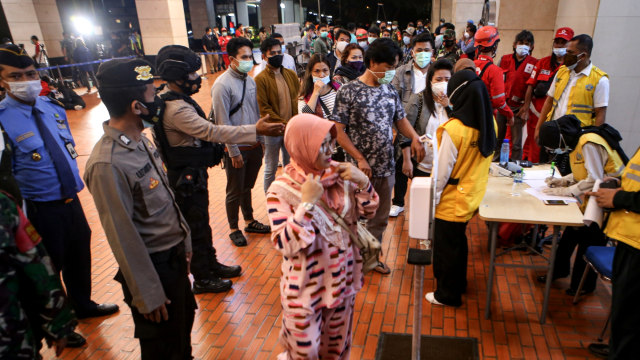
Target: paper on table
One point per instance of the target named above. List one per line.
(537, 192)
(538, 174)
(593, 212)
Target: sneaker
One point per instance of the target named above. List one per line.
(395, 210)
(78, 107)
(431, 297)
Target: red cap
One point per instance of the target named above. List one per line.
(564, 33)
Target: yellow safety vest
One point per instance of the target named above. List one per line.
(613, 166)
(623, 225)
(580, 101)
(459, 202)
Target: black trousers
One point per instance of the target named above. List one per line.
(67, 237)
(240, 182)
(450, 252)
(192, 196)
(582, 237)
(169, 339)
(400, 187)
(625, 313)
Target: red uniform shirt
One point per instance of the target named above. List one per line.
(515, 83)
(542, 71)
(493, 78)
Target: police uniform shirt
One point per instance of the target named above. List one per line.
(600, 94)
(137, 209)
(33, 166)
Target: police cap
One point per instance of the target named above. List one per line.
(176, 62)
(13, 55)
(121, 73)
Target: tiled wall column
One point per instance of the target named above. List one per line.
(162, 23)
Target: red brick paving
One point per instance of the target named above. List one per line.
(244, 323)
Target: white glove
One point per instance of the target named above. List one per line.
(558, 191)
(559, 182)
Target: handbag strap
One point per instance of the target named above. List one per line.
(338, 220)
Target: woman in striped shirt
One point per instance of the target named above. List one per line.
(321, 267)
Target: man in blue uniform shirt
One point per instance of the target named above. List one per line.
(45, 168)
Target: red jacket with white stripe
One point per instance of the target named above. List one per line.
(515, 83)
(493, 78)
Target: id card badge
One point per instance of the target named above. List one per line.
(71, 150)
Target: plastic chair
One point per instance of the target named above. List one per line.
(600, 259)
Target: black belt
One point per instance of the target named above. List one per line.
(453, 181)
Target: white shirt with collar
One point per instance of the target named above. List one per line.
(600, 94)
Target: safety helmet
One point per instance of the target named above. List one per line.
(486, 36)
(176, 62)
(361, 34)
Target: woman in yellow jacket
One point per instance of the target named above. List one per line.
(465, 147)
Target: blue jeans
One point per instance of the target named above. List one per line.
(272, 147)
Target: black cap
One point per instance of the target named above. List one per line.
(121, 73)
(15, 56)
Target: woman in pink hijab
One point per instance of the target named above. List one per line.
(321, 267)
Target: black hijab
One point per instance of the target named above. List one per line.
(472, 106)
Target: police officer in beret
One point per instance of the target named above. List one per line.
(47, 174)
(188, 143)
(148, 235)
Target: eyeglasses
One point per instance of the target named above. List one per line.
(328, 147)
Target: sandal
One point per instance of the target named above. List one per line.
(257, 228)
(382, 268)
(238, 238)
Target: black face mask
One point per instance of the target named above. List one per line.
(187, 86)
(275, 61)
(448, 43)
(153, 109)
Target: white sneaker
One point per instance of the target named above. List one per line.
(395, 210)
(430, 296)
(78, 107)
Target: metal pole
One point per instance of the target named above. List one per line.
(319, 16)
(301, 14)
(440, 11)
(417, 311)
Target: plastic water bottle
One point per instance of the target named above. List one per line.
(517, 183)
(504, 153)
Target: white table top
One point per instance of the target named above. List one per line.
(499, 205)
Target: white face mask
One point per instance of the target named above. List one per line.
(522, 50)
(363, 44)
(559, 51)
(26, 91)
(466, 35)
(406, 40)
(341, 45)
(439, 88)
(325, 79)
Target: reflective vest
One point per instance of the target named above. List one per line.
(462, 195)
(623, 225)
(580, 101)
(612, 167)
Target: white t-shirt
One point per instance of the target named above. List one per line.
(600, 94)
(419, 80)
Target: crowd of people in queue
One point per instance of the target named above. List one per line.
(356, 124)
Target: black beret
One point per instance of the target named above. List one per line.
(122, 73)
(15, 56)
(567, 125)
(175, 62)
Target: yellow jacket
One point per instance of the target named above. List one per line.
(612, 167)
(581, 97)
(459, 202)
(624, 225)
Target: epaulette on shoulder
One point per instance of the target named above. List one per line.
(53, 101)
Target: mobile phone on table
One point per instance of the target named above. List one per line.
(555, 202)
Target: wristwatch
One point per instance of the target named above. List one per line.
(308, 206)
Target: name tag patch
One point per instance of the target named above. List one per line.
(142, 172)
(528, 68)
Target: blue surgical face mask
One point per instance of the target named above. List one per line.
(423, 59)
(325, 79)
(244, 66)
(388, 76)
(324, 34)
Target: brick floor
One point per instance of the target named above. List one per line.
(244, 323)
